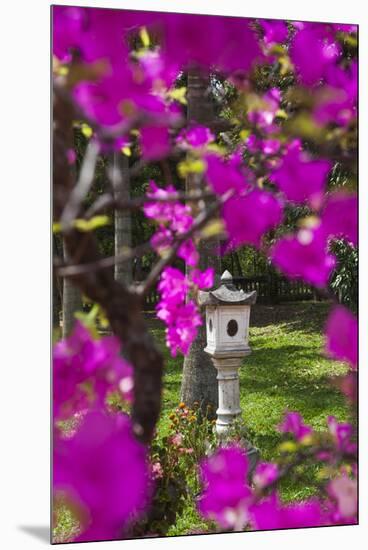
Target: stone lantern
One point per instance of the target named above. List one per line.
(227, 327)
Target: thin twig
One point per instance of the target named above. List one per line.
(108, 201)
(103, 263)
(81, 188)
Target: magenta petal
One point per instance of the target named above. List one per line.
(154, 142)
(340, 216)
(102, 468)
(304, 256)
(226, 494)
(248, 218)
(310, 43)
(300, 178)
(342, 336)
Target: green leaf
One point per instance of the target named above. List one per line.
(93, 223)
(178, 94)
(195, 166)
(144, 36)
(288, 447)
(215, 227)
(56, 227)
(86, 130)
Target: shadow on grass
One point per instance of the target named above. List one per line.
(305, 316)
(292, 374)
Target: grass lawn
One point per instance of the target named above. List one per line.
(286, 370)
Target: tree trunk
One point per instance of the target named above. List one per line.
(199, 375)
(123, 222)
(56, 301)
(57, 283)
(72, 302)
(123, 307)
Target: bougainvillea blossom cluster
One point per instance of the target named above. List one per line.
(174, 219)
(226, 494)
(85, 370)
(234, 502)
(181, 317)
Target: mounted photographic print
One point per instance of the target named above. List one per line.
(205, 335)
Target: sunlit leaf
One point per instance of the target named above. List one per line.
(126, 150)
(288, 447)
(244, 134)
(56, 227)
(280, 113)
(214, 227)
(191, 166)
(144, 36)
(86, 130)
(93, 223)
(178, 94)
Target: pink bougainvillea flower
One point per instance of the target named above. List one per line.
(340, 216)
(189, 253)
(342, 433)
(342, 336)
(270, 513)
(68, 25)
(160, 211)
(203, 279)
(172, 213)
(293, 423)
(182, 329)
(197, 137)
(161, 240)
(270, 146)
(342, 27)
(182, 319)
(119, 97)
(265, 116)
(154, 142)
(223, 176)
(228, 43)
(174, 219)
(249, 217)
(79, 360)
(103, 470)
(253, 144)
(337, 101)
(226, 494)
(71, 156)
(305, 256)
(265, 474)
(299, 177)
(173, 285)
(274, 31)
(239, 49)
(95, 34)
(345, 491)
(313, 43)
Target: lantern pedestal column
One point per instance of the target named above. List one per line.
(227, 366)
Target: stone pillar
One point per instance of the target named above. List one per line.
(228, 390)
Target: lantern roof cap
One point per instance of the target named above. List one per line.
(227, 293)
